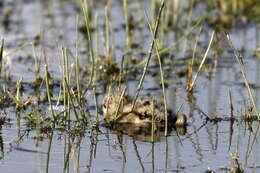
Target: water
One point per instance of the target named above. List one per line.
(205, 144)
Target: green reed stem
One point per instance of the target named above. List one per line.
(77, 69)
(149, 55)
(202, 62)
(90, 47)
(48, 92)
(70, 100)
(66, 83)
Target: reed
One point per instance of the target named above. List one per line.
(140, 83)
(77, 68)
(239, 59)
(70, 101)
(48, 93)
(37, 63)
(1, 55)
(89, 40)
(191, 63)
(107, 28)
(162, 76)
(127, 31)
(175, 7)
(96, 105)
(202, 63)
(66, 83)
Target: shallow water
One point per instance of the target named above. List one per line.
(206, 144)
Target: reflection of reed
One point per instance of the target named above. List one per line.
(75, 152)
(93, 148)
(1, 145)
(138, 156)
(2, 121)
(48, 152)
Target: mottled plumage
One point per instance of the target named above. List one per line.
(145, 109)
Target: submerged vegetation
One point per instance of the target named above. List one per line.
(163, 50)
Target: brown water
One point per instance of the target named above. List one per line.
(204, 145)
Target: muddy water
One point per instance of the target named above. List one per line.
(204, 145)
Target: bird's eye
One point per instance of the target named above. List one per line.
(104, 106)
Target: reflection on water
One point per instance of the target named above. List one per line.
(101, 149)
(146, 132)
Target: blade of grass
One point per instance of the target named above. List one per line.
(202, 62)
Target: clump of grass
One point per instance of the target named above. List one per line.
(19, 104)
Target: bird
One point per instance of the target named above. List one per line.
(118, 108)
